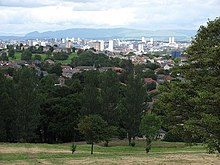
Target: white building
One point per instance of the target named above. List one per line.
(102, 45)
(131, 46)
(171, 40)
(69, 44)
(30, 43)
(151, 41)
(43, 43)
(143, 40)
(110, 46)
(140, 47)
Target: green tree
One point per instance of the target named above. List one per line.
(91, 102)
(11, 51)
(4, 56)
(26, 55)
(7, 113)
(150, 74)
(48, 53)
(94, 129)
(56, 69)
(196, 106)
(59, 118)
(27, 104)
(109, 132)
(151, 86)
(110, 96)
(38, 57)
(40, 49)
(60, 56)
(132, 105)
(46, 86)
(149, 127)
(176, 105)
(203, 72)
(152, 66)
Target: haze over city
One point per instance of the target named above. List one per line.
(19, 17)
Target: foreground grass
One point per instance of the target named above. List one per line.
(161, 153)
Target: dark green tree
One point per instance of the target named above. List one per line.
(94, 129)
(4, 57)
(48, 53)
(149, 127)
(196, 106)
(56, 69)
(175, 106)
(7, 113)
(150, 74)
(46, 86)
(11, 51)
(203, 73)
(151, 86)
(91, 101)
(40, 49)
(59, 118)
(110, 96)
(26, 55)
(152, 66)
(132, 105)
(38, 57)
(27, 104)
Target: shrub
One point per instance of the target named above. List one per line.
(73, 148)
(133, 143)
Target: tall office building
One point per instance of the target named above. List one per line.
(171, 40)
(69, 44)
(151, 41)
(140, 47)
(30, 43)
(97, 45)
(110, 45)
(143, 40)
(102, 46)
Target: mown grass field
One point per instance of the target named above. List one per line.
(118, 153)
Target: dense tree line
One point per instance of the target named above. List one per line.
(34, 109)
(92, 58)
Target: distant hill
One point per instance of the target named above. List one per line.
(121, 33)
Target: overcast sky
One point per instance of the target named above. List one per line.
(23, 16)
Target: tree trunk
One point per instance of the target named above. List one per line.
(92, 148)
(148, 144)
(129, 139)
(218, 148)
(106, 143)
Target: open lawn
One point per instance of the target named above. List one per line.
(44, 56)
(68, 60)
(162, 153)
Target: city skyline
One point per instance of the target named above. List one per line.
(19, 17)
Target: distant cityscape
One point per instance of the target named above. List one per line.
(143, 45)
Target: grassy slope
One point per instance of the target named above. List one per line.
(44, 56)
(117, 153)
(68, 60)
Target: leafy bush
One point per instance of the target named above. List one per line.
(73, 148)
(133, 143)
(172, 137)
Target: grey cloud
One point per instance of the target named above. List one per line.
(150, 14)
(21, 3)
